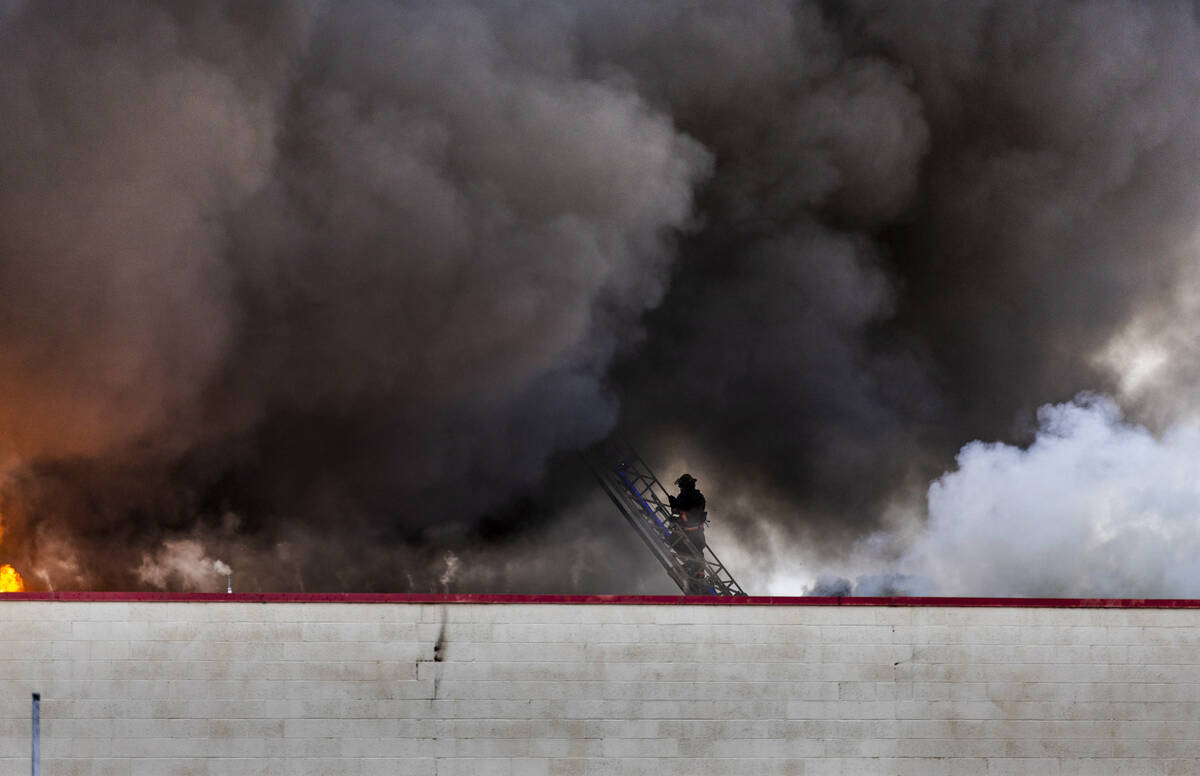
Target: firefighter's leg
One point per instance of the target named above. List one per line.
(695, 562)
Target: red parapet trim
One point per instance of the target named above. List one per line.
(653, 600)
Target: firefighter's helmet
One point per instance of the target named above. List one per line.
(686, 481)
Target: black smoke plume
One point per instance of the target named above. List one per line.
(333, 292)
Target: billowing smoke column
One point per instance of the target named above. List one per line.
(333, 291)
(1094, 506)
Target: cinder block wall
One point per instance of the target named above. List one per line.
(154, 688)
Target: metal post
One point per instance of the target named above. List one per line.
(37, 732)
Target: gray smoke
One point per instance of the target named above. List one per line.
(889, 583)
(182, 564)
(336, 289)
(362, 264)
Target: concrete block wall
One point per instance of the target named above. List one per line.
(152, 688)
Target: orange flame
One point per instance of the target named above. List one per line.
(10, 580)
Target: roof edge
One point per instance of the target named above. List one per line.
(652, 600)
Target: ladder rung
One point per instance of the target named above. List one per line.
(634, 489)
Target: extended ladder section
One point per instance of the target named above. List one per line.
(642, 500)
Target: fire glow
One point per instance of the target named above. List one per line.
(10, 580)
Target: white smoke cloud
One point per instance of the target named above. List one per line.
(453, 564)
(181, 564)
(1155, 358)
(1095, 506)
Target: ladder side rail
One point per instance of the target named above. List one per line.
(663, 501)
(624, 451)
(727, 584)
(668, 561)
(721, 571)
(660, 520)
(652, 512)
(646, 480)
(725, 578)
(714, 567)
(647, 519)
(659, 537)
(712, 577)
(674, 541)
(662, 507)
(650, 491)
(637, 494)
(718, 577)
(624, 492)
(650, 496)
(653, 520)
(648, 499)
(646, 467)
(730, 585)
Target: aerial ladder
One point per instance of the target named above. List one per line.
(643, 502)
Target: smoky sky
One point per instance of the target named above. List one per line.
(335, 292)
